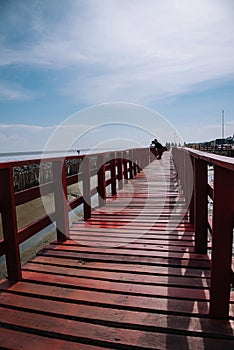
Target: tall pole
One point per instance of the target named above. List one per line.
(223, 124)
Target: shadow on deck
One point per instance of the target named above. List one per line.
(126, 279)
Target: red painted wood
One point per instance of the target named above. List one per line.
(222, 161)
(107, 182)
(113, 176)
(147, 289)
(76, 202)
(200, 205)
(127, 277)
(9, 224)
(222, 194)
(130, 162)
(86, 187)
(145, 269)
(134, 155)
(97, 313)
(152, 289)
(125, 165)
(222, 240)
(29, 194)
(119, 287)
(12, 339)
(34, 227)
(60, 200)
(101, 180)
(131, 259)
(112, 337)
(120, 170)
(114, 300)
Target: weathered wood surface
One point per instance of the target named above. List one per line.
(126, 279)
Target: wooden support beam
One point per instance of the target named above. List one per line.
(101, 180)
(120, 170)
(113, 176)
(9, 224)
(60, 199)
(222, 238)
(125, 164)
(200, 206)
(86, 187)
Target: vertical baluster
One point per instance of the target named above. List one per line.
(192, 203)
(101, 180)
(120, 170)
(130, 165)
(125, 164)
(113, 174)
(9, 224)
(86, 187)
(60, 199)
(222, 237)
(134, 162)
(200, 206)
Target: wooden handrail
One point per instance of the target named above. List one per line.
(120, 164)
(222, 195)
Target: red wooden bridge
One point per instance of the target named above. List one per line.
(146, 269)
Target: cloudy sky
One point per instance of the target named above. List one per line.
(59, 57)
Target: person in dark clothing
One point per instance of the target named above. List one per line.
(159, 148)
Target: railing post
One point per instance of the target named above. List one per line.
(191, 210)
(200, 205)
(113, 175)
(86, 187)
(138, 155)
(101, 180)
(192, 204)
(222, 237)
(125, 164)
(130, 165)
(60, 200)
(9, 224)
(120, 170)
(134, 162)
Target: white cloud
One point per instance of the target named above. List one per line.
(19, 137)
(135, 51)
(12, 92)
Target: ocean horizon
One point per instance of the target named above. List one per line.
(28, 155)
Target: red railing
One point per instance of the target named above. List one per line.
(120, 165)
(220, 222)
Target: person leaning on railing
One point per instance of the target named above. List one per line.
(159, 148)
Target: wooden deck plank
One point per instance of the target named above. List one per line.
(133, 250)
(143, 279)
(108, 316)
(140, 268)
(128, 279)
(100, 335)
(18, 339)
(94, 256)
(110, 299)
(119, 287)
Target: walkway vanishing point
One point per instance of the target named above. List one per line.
(129, 276)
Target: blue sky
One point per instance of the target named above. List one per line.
(58, 57)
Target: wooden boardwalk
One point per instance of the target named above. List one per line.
(126, 279)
